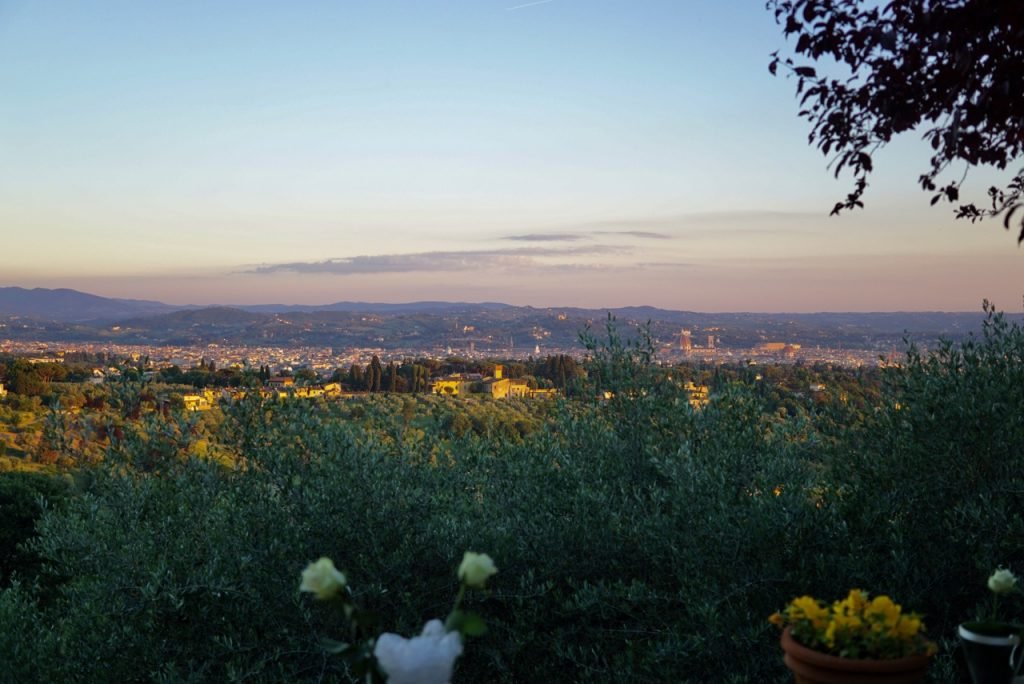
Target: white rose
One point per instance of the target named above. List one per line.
(476, 568)
(322, 578)
(426, 659)
(1002, 581)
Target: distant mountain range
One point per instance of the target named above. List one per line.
(69, 315)
(72, 305)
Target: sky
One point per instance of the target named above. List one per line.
(595, 153)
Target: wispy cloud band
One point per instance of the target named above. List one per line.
(527, 4)
(546, 237)
(647, 234)
(589, 235)
(436, 261)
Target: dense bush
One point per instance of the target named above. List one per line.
(637, 539)
(935, 484)
(23, 497)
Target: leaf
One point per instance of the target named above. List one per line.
(467, 624)
(334, 647)
(1009, 215)
(473, 625)
(805, 71)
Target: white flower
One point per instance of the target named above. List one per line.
(476, 568)
(426, 659)
(322, 578)
(1002, 581)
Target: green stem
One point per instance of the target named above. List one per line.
(455, 609)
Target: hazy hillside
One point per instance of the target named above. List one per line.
(67, 315)
(72, 305)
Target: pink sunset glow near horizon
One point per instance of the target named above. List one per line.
(263, 153)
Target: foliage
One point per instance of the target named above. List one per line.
(867, 72)
(639, 539)
(938, 473)
(24, 645)
(23, 498)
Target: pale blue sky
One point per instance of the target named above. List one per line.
(571, 152)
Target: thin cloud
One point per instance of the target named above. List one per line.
(637, 233)
(679, 224)
(664, 264)
(750, 215)
(744, 233)
(574, 237)
(523, 257)
(546, 237)
(527, 4)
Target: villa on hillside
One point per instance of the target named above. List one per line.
(496, 387)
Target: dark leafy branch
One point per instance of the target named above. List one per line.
(952, 69)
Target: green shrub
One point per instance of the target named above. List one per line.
(23, 498)
(934, 488)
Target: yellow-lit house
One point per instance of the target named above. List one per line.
(196, 402)
(496, 387)
(452, 386)
(698, 394)
(518, 389)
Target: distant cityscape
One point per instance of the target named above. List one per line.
(47, 324)
(325, 360)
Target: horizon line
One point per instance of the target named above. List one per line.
(610, 309)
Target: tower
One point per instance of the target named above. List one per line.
(685, 341)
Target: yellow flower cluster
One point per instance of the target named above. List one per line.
(855, 627)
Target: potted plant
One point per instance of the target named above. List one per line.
(856, 640)
(992, 647)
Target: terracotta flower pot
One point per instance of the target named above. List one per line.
(814, 667)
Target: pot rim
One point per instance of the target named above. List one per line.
(827, 660)
(1011, 639)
